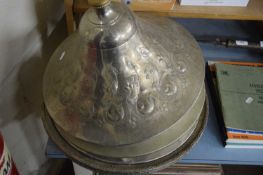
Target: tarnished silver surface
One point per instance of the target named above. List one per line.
(147, 150)
(125, 89)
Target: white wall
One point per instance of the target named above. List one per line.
(25, 28)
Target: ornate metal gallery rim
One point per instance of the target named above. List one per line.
(89, 162)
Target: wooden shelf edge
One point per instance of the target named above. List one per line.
(202, 15)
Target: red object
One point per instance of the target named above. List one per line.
(7, 165)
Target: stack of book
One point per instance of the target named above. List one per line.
(238, 97)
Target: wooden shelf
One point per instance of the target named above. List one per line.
(254, 11)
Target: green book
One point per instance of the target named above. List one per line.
(241, 95)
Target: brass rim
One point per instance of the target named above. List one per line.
(98, 3)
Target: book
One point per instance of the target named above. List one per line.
(233, 3)
(239, 102)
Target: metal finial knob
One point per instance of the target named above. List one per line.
(98, 3)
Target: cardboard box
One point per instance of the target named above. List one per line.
(152, 5)
(235, 3)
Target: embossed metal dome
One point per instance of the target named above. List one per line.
(125, 93)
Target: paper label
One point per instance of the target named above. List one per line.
(241, 43)
(241, 3)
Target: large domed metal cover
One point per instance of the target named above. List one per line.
(125, 93)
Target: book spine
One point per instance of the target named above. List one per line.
(245, 146)
(244, 141)
(233, 135)
(242, 131)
